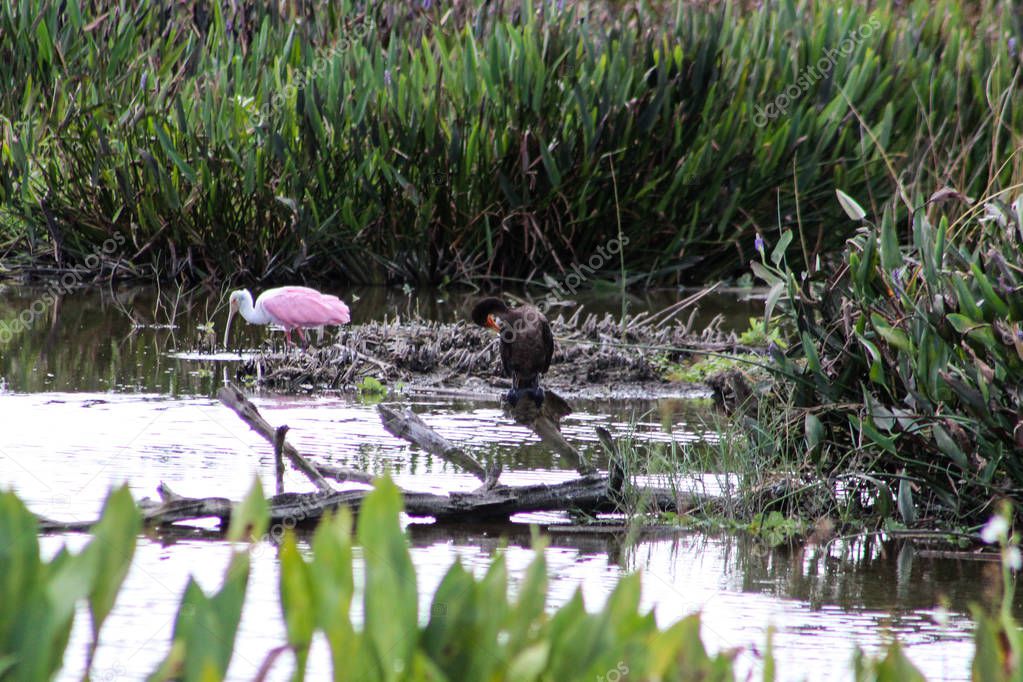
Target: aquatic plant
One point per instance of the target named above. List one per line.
(903, 375)
(38, 599)
(371, 390)
(474, 631)
(422, 141)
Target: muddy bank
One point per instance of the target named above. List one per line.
(594, 356)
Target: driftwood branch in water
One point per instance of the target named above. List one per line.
(545, 421)
(233, 397)
(408, 426)
(587, 494)
(591, 493)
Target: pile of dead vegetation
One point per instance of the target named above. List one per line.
(589, 350)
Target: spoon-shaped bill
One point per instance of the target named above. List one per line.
(232, 309)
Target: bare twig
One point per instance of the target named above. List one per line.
(279, 435)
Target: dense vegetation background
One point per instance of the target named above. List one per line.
(424, 141)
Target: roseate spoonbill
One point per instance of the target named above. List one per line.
(526, 344)
(288, 307)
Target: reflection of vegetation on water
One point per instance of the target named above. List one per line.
(427, 142)
(474, 630)
(101, 341)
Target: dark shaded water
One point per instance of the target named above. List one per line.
(93, 396)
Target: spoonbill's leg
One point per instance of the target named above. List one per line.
(301, 335)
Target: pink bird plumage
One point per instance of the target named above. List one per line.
(289, 308)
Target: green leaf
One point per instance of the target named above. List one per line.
(450, 638)
(773, 296)
(949, 447)
(333, 583)
(905, 501)
(529, 608)
(111, 550)
(875, 436)
(972, 329)
(814, 430)
(891, 255)
(20, 572)
(894, 337)
(849, 205)
(8, 662)
(778, 252)
(297, 603)
(993, 300)
(763, 273)
(967, 304)
(895, 666)
(250, 519)
(43, 41)
(391, 597)
(168, 149)
(529, 663)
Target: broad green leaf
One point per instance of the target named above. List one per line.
(297, 603)
(20, 573)
(250, 518)
(905, 501)
(773, 296)
(893, 336)
(891, 255)
(43, 41)
(391, 597)
(111, 551)
(778, 252)
(763, 273)
(529, 608)
(449, 639)
(992, 300)
(529, 663)
(814, 431)
(896, 666)
(949, 447)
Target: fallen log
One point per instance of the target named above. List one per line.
(408, 426)
(587, 495)
(590, 494)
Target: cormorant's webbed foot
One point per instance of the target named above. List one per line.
(536, 394)
(512, 397)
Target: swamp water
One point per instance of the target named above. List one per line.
(103, 387)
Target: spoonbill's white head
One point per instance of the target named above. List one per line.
(240, 299)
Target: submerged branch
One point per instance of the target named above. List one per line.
(408, 426)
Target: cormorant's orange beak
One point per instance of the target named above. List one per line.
(492, 323)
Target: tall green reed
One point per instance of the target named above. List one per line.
(390, 142)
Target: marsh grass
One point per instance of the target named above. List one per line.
(386, 142)
(741, 469)
(902, 377)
